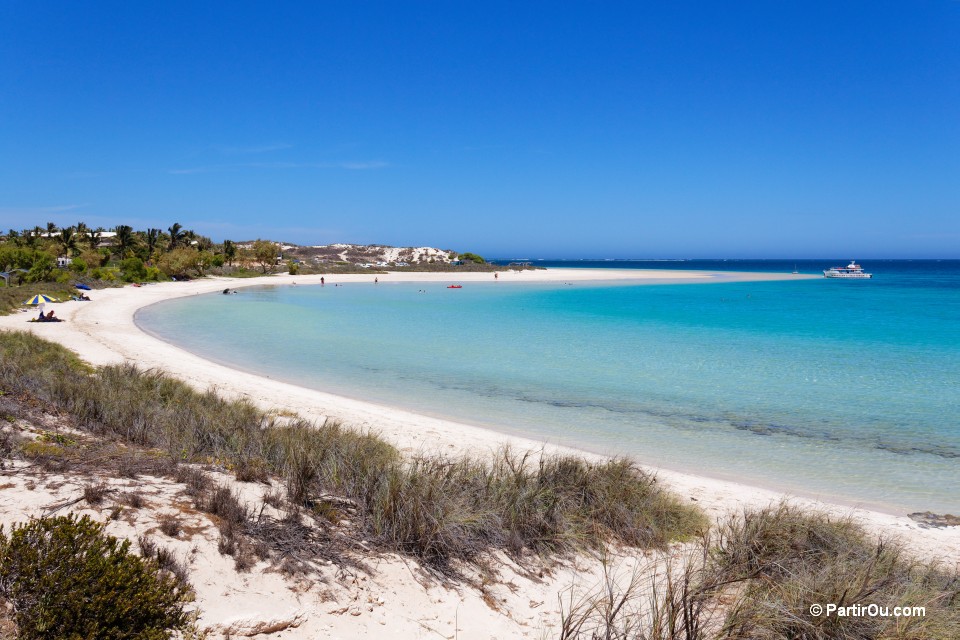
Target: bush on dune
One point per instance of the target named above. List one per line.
(66, 579)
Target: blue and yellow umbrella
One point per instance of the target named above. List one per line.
(40, 298)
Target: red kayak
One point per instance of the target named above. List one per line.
(455, 286)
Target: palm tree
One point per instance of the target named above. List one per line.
(82, 232)
(124, 239)
(204, 243)
(93, 237)
(14, 236)
(51, 229)
(153, 235)
(32, 236)
(229, 251)
(68, 240)
(176, 235)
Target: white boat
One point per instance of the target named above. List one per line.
(852, 270)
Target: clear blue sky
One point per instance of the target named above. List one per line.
(541, 129)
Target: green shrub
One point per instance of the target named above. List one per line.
(133, 270)
(77, 265)
(105, 274)
(94, 259)
(66, 579)
(17, 257)
(179, 262)
(293, 268)
(472, 257)
(42, 267)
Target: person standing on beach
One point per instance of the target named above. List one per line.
(322, 282)
(496, 276)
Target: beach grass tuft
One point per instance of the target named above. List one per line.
(783, 560)
(133, 499)
(95, 493)
(454, 508)
(170, 525)
(761, 575)
(662, 600)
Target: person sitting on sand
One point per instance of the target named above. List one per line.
(50, 317)
(42, 317)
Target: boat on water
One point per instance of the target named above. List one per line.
(852, 270)
(455, 286)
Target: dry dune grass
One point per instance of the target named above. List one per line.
(757, 575)
(440, 510)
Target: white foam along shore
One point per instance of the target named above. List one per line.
(104, 332)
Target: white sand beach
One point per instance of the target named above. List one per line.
(104, 331)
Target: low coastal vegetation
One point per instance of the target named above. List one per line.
(771, 573)
(346, 492)
(65, 578)
(438, 509)
(12, 297)
(51, 259)
(782, 561)
(337, 496)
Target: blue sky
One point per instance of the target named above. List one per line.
(543, 129)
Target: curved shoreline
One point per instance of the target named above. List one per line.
(104, 331)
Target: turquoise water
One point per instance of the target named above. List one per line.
(847, 390)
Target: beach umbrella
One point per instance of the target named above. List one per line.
(80, 285)
(40, 298)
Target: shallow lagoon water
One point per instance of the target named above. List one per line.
(847, 390)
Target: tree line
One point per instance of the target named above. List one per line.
(125, 254)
